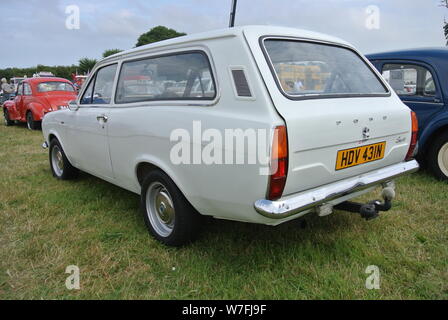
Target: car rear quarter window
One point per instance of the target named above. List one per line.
(410, 79)
(305, 69)
(180, 76)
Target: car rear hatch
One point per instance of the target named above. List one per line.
(333, 139)
(341, 119)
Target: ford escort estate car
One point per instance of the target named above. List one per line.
(419, 77)
(254, 124)
(35, 97)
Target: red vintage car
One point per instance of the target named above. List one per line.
(35, 97)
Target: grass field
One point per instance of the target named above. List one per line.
(46, 225)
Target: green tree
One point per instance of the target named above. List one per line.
(110, 52)
(444, 3)
(59, 71)
(445, 30)
(158, 33)
(86, 65)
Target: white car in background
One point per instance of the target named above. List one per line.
(337, 135)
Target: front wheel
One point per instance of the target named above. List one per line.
(7, 119)
(60, 166)
(169, 216)
(438, 157)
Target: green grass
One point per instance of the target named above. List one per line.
(46, 225)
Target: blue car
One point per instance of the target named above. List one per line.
(420, 78)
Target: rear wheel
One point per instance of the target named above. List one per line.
(170, 218)
(30, 123)
(8, 121)
(438, 157)
(60, 166)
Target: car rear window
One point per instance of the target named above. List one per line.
(55, 86)
(307, 69)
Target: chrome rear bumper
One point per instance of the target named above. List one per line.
(300, 202)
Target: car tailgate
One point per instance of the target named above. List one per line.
(319, 129)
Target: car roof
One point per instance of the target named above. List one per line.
(44, 79)
(436, 52)
(231, 32)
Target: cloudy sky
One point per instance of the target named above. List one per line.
(34, 31)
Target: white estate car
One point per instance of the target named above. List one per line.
(258, 124)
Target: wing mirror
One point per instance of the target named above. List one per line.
(73, 106)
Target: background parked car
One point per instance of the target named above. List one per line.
(15, 81)
(420, 78)
(35, 97)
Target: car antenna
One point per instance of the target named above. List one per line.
(232, 14)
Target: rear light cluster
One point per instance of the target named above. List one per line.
(410, 154)
(279, 163)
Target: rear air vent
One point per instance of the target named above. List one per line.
(241, 85)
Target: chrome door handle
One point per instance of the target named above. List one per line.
(102, 117)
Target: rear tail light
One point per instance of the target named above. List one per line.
(279, 163)
(413, 144)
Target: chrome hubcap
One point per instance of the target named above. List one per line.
(442, 159)
(57, 161)
(160, 209)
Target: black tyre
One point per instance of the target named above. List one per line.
(60, 166)
(438, 157)
(30, 122)
(169, 216)
(8, 121)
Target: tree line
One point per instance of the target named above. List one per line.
(444, 3)
(85, 65)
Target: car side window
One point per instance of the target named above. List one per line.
(87, 96)
(27, 89)
(410, 80)
(430, 87)
(180, 76)
(20, 90)
(104, 82)
(100, 87)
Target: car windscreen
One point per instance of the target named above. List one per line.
(55, 86)
(308, 69)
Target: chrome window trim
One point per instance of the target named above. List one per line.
(423, 102)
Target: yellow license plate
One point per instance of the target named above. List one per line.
(355, 156)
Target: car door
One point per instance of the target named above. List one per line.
(26, 98)
(417, 86)
(88, 125)
(18, 104)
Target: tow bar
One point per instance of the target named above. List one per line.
(371, 209)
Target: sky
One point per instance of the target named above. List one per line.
(34, 31)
